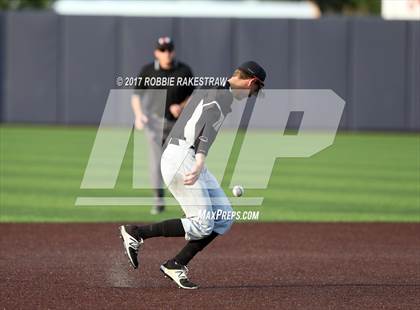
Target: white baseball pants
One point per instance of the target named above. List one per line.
(198, 201)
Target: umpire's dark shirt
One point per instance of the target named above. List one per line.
(174, 94)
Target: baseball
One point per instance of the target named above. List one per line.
(238, 191)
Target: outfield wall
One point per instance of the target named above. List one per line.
(59, 69)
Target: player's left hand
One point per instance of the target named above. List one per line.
(175, 109)
(191, 177)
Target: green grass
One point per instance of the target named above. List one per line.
(362, 177)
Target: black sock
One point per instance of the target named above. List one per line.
(169, 228)
(159, 192)
(192, 248)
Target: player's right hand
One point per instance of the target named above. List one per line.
(191, 177)
(140, 122)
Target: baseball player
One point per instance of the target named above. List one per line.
(150, 115)
(186, 176)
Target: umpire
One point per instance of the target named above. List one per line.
(149, 113)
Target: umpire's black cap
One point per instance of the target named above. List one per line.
(255, 70)
(165, 43)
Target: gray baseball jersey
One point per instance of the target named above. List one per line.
(202, 118)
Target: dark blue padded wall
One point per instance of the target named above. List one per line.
(137, 39)
(206, 45)
(320, 57)
(413, 76)
(378, 74)
(2, 61)
(59, 69)
(30, 68)
(88, 68)
(267, 42)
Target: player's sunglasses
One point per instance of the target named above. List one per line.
(165, 49)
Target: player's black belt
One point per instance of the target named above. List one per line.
(176, 141)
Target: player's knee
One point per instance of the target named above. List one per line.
(226, 224)
(225, 220)
(229, 223)
(206, 228)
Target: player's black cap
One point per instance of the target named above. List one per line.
(255, 70)
(165, 43)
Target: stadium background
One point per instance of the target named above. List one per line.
(67, 64)
(57, 70)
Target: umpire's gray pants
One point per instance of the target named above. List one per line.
(156, 130)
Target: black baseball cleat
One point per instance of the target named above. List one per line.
(178, 273)
(131, 244)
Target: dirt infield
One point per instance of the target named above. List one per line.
(276, 265)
